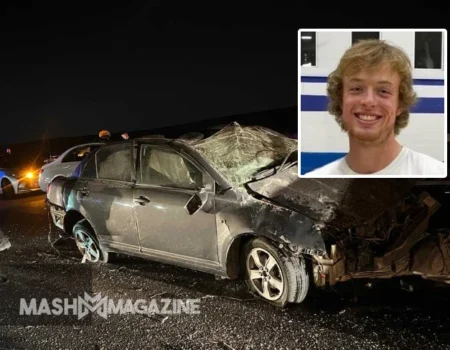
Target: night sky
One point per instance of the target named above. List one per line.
(70, 73)
(75, 69)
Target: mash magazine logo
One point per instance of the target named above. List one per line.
(103, 306)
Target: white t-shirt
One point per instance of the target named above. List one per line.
(407, 163)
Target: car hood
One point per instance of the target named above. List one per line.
(339, 202)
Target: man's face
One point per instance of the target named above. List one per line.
(370, 104)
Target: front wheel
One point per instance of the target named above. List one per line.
(273, 275)
(87, 243)
(8, 189)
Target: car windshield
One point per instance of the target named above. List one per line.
(240, 152)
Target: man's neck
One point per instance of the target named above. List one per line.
(368, 159)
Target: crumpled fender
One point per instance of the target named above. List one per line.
(264, 218)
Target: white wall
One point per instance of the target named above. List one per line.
(330, 46)
(403, 39)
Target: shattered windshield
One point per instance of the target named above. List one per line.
(240, 152)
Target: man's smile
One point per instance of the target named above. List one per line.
(366, 118)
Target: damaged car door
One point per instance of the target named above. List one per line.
(174, 205)
(105, 194)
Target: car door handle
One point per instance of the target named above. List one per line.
(142, 200)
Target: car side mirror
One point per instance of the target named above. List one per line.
(194, 204)
(201, 200)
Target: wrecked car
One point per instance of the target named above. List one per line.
(232, 205)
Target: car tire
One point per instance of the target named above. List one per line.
(87, 243)
(278, 277)
(7, 189)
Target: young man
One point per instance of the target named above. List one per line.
(371, 93)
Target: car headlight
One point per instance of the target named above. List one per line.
(30, 174)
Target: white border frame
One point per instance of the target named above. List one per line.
(418, 74)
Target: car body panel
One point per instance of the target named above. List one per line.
(113, 220)
(164, 225)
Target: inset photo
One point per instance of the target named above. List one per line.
(372, 103)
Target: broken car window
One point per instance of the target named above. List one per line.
(115, 162)
(166, 168)
(89, 169)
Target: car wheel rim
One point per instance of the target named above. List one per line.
(87, 246)
(265, 274)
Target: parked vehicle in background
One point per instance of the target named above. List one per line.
(65, 164)
(51, 159)
(16, 177)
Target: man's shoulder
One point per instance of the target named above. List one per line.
(332, 168)
(427, 164)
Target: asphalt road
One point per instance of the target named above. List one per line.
(350, 317)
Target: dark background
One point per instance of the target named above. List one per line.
(72, 69)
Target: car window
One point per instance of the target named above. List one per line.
(78, 154)
(115, 162)
(86, 169)
(167, 168)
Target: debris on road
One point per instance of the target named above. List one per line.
(4, 241)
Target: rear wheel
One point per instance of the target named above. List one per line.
(87, 243)
(274, 275)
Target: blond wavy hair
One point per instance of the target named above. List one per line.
(370, 54)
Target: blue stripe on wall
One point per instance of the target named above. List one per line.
(313, 103)
(313, 79)
(317, 103)
(439, 82)
(434, 82)
(314, 160)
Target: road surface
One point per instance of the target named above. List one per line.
(351, 317)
